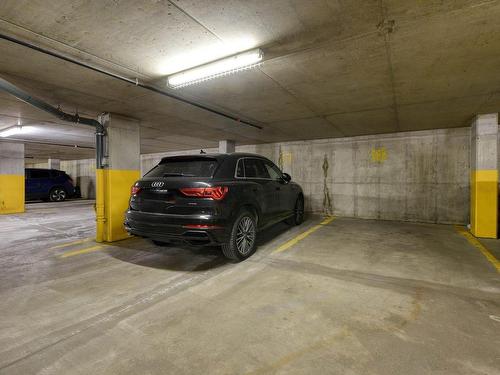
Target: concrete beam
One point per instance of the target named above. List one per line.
(54, 164)
(484, 176)
(11, 178)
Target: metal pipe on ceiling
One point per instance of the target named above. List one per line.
(40, 104)
(135, 81)
(21, 140)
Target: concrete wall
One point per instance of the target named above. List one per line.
(83, 174)
(412, 176)
(81, 171)
(42, 165)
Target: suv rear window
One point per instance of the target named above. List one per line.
(56, 173)
(40, 173)
(184, 167)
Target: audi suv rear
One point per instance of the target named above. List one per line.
(219, 199)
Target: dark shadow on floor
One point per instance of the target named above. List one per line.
(181, 257)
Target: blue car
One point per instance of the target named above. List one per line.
(48, 184)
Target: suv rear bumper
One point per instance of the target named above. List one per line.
(175, 228)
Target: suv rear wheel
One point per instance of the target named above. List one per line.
(243, 239)
(57, 194)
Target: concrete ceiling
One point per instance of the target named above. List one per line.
(332, 68)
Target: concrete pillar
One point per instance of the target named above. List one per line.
(11, 178)
(114, 181)
(484, 176)
(226, 146)
(54, 163)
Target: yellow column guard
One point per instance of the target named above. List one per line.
(112, 197)
(484, 203)
(11, 193)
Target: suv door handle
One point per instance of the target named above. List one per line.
(278, 188)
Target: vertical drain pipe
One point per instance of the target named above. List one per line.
(100, 211)
(100, 133)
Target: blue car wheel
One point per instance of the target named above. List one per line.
(57, 194)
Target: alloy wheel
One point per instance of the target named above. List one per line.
(58, 195)
(245, 235)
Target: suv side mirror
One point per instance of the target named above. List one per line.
(286, 177)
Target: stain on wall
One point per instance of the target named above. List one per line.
(379, 155)
(327, 201)
(280, 158)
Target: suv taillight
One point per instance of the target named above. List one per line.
(135, 190)
(216, 193)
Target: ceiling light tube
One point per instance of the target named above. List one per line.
(13, 130)
(227, 65)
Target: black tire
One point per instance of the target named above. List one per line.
(57, 194)
(298, 213)
(243, 239)
(160, 243)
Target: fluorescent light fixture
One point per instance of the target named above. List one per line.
(227, 65)
(189, 57)
(14, 130)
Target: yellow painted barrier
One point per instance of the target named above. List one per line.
(112, 197)
(11, 193)
(484, 203)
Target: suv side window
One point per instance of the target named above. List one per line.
(57, 173)
(255, 168)
(273, 171)
(240, 171)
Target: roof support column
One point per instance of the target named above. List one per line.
(54, 163)
(11, 178)
(114, 180)
(227, 146)
(484, 176)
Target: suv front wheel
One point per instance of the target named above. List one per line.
(243, 239)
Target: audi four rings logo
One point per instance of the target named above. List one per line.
(157, 184)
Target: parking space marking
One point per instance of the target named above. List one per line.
(478, 245)
(72, 243)
(81, 251)
(303, 235)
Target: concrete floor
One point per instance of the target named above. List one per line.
(354, 297)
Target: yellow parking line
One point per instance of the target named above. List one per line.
(81, 251)
(72, 243)
(327, 220)
(478, 245)
(303, 235)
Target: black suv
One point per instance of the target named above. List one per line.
(220, 199)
